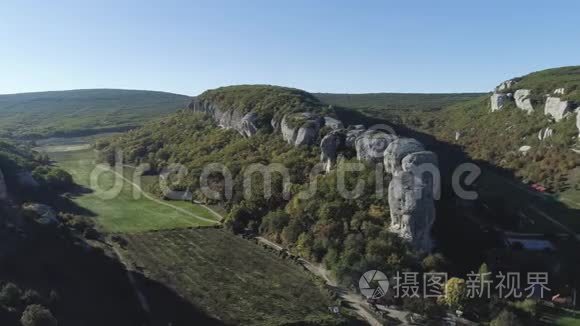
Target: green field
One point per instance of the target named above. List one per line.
(131, 210)
(233, 279)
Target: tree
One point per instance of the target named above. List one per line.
(10, 295)
(455, 293)
(434, 263)
(506, 318)
(37, 315)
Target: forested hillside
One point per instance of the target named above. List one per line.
(348, 235)
(500, 137)
(82, 112)
(391, 106)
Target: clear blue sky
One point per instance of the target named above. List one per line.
(332, 46)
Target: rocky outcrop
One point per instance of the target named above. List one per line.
(397, 150)
(228, 118)
(306, 130)
(329, 147)
(370, 145)
(351, 135)
(333, 123)
(497, 101)
(411, 194)
(578, 120)
(545, 133)
(557, 108)
(525, 149)
(3, 188)
(46, 214)
(560, 91)
(248, 125)
(523, 102)
(506, 85)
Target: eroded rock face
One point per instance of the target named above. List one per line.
(411, 191)
(351, 135)
(329, 147)
(556, 108)
(46, 214)
(228, 118)
(3, 188)
(370, 145)
(545, 133)
(306, 133)
(578, 120)
(248, 125)
(523, 102)
(497, 101)
(506, 85)
(333, 123)
(396, 152)
(412, 209)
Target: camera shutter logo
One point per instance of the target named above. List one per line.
(373, 284)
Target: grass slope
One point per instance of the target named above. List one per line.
(394, 101)
(124, 213)
(81, 112)
(231, 278)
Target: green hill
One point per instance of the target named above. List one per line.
(82, 112)
(378, 103)
(496, 137)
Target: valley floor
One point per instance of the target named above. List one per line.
(177, 244)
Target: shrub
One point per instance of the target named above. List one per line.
(37, 315)
(10, 295)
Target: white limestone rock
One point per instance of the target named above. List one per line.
(523, 102)
(396, 152)
(556, 108)
(352, 133)
(525, 149)
(371, 145)
(559, 91)
(506, 85)
(306, 133)
(228, 118)
(411, 201)
(329, 147)
(497, 101)
(333, 123)
(578, 120)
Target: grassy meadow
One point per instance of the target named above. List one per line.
(131, 210)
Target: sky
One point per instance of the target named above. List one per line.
(336, 46)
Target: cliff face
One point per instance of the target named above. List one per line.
(411, 191)
(228, 118)
(411, 197)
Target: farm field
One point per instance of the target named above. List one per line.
(233, 279)
(131, 210)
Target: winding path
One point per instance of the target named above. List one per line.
(159, 201)
(353, 298)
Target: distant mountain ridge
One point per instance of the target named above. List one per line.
(81, 112)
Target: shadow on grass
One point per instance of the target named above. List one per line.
(92, 287)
